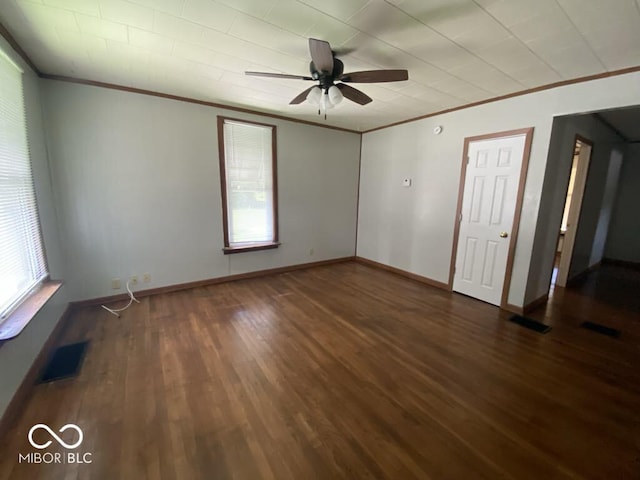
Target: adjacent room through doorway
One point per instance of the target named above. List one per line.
(595, 157)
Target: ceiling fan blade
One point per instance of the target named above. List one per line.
(354, 94)
(341, 51)
(375, 76)
(321, 55)
(278, 75)
(302, 97)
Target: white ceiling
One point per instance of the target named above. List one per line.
(457, 51)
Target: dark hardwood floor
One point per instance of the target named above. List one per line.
(346, 371)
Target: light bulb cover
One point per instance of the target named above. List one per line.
(325, 103)
(335, 95)
(314, 96)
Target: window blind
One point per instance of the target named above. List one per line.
(249, 183)
(22, 261)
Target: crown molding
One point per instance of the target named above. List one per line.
(14, 44)
(179, 98)
(541, 88)
(18, 49)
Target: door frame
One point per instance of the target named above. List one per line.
(528, 132)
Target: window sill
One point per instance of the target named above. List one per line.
(250, 248)
(11, 326)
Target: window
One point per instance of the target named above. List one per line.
(22, 262)
(249, 185)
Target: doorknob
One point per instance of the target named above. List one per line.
(504, 234)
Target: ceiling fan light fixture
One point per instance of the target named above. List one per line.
(325, 103)
(334, 94)
(314, 96)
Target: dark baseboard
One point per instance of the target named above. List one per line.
(207, 282)
(16, 405)
(404, 273)
(621, 263)
(527, 308)
(443, 286)
(581, 276)
(535, 304)
(512, 308)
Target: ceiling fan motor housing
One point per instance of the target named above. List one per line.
(326, 79)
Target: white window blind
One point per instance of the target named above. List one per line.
(248, 161)
(22, 262)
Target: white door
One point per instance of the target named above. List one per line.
(488, 208)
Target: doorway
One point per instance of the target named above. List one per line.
(573, 204)
(489, 203)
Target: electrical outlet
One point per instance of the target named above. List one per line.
(133, 280)
(146, 278)
(115, 284)
(311, 251)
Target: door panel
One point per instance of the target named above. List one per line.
(497, 205)
(476, 199)
(489, 263)
(488, 208)
(469, 258)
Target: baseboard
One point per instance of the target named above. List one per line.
(404, 273)
(528, 308)
(535, 304)
(580, 276)
(16, 405)
(621, 263)
(513, 308)
(443, 286)
(207, 282)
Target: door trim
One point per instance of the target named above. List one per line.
(528, 132)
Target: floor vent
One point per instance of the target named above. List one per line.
(604, 330)
(530, 324)
(65, 362)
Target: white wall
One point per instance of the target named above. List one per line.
(623, 242)
(412, 228)
(17, 355)
(597, 204)
(138, 186)
(612, 177)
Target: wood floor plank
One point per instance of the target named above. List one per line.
(346, 371)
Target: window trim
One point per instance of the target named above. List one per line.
(249, 247)
(18, 319)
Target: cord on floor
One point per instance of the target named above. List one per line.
(116, 311)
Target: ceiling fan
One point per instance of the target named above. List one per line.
(326, 69)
